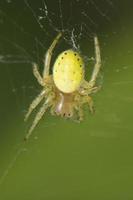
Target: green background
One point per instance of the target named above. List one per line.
(91, 160)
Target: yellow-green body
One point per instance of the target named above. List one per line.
(68, 71)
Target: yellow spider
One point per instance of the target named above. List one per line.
(66, 90)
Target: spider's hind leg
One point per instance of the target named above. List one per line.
(91, 104)
(80, 114)
(39, 115)
(34, 104)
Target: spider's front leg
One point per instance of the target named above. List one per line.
(37, 74)
(48, 56)
(47, 60)
(97, 64)
(89, 87)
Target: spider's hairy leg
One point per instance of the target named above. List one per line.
(37, 74)
(90, 103)
(48, 55)
(34, 104)
(39, 116)
(52, 110)
(80, 112)
(95, 89)
(87, 99)
(78, 106)
(97, 65)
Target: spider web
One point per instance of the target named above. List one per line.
(26, 34)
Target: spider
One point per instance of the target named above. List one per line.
(65, 90)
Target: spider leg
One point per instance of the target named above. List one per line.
(37, 74)
(38, 117)
(90, 103)
(97, 64)
(95, 89)
(80, 112)
(52, 110)
(48, 56)
(84, 99)
(34, 103)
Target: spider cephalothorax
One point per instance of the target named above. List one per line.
(65, 90)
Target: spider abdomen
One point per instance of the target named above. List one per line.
(68, 71)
